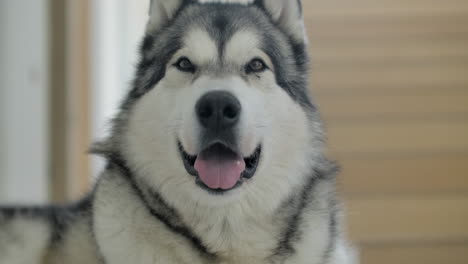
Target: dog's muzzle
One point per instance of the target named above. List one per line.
(219, 166)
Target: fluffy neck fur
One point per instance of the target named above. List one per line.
(227, 231)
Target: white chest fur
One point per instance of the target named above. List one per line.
(127, 233)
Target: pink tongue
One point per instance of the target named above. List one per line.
(220, 174)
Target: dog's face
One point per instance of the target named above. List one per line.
(220, 110)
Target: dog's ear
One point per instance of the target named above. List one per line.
(161, 12)
(288, 15)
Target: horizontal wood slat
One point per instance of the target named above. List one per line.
(317, 5)
(440, 52)
(387, 12)
(424, 254)
(400, 219)
(387, 76)
(441, 174)
(359, 29)
(397, 137)
(403, 106)
(387, 7)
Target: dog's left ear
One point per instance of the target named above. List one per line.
(288, 14)
(162, 12)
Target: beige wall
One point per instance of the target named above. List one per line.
(69, 96)
(391, 78)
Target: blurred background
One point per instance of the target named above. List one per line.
(390, 77)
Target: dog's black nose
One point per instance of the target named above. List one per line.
(218, 110)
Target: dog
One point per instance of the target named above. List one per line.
(216, 156)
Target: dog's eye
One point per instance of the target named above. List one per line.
(256, 65)
(185, 65)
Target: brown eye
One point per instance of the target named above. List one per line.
(256, 65)
(185, 65)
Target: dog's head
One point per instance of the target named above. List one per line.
(220, 109)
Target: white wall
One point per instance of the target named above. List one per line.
(23, 101)
(2, 96)
(117, 28)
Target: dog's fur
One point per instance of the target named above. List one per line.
(146, 207)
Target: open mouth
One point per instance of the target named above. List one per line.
(218, 168)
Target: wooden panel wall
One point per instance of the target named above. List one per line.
(69, 49)
(79, 105)
(391, 78)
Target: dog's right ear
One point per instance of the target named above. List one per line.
(161, 12)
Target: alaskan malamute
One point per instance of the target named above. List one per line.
(215, 157)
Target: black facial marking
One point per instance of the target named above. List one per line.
(152, 67)
(258, 3)
(220, 22)
(147, 44)
(300, 55)
(299, 4)
(220, 32)
(292, 78)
